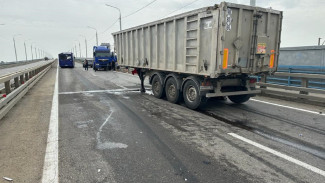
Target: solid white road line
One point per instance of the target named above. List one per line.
(51, 165)
(125, 73)
(286, 157)
(279, 105)
(100, 91)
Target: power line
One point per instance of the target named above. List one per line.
(139, 9)
(110, 27)
(127, 16)
(181, 7)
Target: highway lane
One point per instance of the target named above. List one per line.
(4, 71)
(107, 136)
(113, 133)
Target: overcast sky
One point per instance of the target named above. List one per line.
(56, 25)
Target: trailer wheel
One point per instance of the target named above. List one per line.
(157, 87)
(238, 99)
(173, 94)
(191, 95)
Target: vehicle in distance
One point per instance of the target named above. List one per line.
(90, 62)
(103, 57)
(66, 59)
(208, 52)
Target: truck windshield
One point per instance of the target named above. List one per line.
(103, 54)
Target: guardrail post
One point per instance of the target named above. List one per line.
(289, 78)
(7, 87)
(304, 83)
(21, 79)
(263, 80)
(16, 82)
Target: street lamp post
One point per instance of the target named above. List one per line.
(85, 43)
(120, 14)
(25, 50)
(96, 34)
(13, 38)
(79, 50)
(75, 47)
(31, 50)
(35, 52)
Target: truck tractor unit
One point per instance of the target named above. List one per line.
(104, 59)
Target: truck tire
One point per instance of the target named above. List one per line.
(157, 87)
(238, 99)
(172, 93)
(191, 95)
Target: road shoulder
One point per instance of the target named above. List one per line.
(23, 133)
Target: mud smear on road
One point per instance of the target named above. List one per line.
(177, 164)
(320, 131)
(267, 133)
(205, 135)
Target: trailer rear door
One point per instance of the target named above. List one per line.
(250, 38)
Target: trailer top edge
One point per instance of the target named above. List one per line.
(178, 16)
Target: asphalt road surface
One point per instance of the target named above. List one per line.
(4, 71)
(110, 132)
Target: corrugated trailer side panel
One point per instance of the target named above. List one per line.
(164, 45)
(194, 42)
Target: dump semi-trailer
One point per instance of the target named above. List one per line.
(208, 52)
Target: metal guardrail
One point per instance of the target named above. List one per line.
(295, 80)
(17, 85)
(303, 88)
(13, 64)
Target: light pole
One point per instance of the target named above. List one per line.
(85, 43)
(79, 48)
(31, 50)
(75, 47)
(120, 14)
(96, 34)
(13, 38)
(25, 50)
(35, 52)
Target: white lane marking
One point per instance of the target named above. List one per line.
(99, 91)
(298, 109)
(51, 165)
(120, 86)
(286, 157)
(107, 145)
(125, 73)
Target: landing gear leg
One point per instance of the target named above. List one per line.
(141, 76)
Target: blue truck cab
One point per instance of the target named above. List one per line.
(103, 57)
